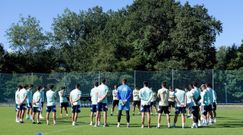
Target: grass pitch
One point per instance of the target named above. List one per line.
(229, 122)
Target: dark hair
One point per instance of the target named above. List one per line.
(145, 83)
(209, 85)
(194, 83)
(20, 86)
(26, 86)
(190, 87)
(78, 85)
(31, 85)
(63, 87)
(96, 83)
(115, 85)
(39, 88)
(124, 80)
(103, 81)
(50, 86)
(163, 83)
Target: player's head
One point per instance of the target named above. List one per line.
(31, 85)
(20, 87)
(50, 86)
(77, 86)
(96, 84)
(163, 84)
(26, 86)
(145, 83)
(103, 81)
(124, 81)
(170, 88)
(203, 87)
(194, 84)
(115, 86)
(137, 88)
(63, 88)
(190, 87)
(209, 85)
(39, 88)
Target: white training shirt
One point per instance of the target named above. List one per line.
(50, 98)
(36, 99)
(114, 94)
(163, 94)
(63, 96)
(93, 94)
(75, 95)
(23, 96)
(136, 95)
(102, 91)
(17, 96)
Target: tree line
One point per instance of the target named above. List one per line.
(146, 35)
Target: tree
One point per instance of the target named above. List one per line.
(26, 36)
(1, 56)
(221, 58)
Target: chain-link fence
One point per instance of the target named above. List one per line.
(227, 83)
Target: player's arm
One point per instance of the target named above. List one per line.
(184, 100)
(25, 97)
(150, 96)
(193, 97)
(129, 95)
(70, 99)
(102, 98)
(118, 94)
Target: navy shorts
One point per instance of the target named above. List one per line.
(93, 108)
(29, 105)
(22, 107)
(164, 109)
(171, 104)
(36, 109)
(214, 106)
(153, 104)
(115, 102)
(208, 108)
(179, 110)
(145, 108)
(102, 107)
(136, 103)
(194, 109)
(51, 108)
(76, 109)
(64, 104)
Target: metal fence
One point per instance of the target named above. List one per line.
(228, 84)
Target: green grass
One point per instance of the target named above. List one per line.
(229, 122)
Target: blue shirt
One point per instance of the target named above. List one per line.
(124, 92)
(42, 98)
(29, 96)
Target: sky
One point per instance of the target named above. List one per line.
(228, 12)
